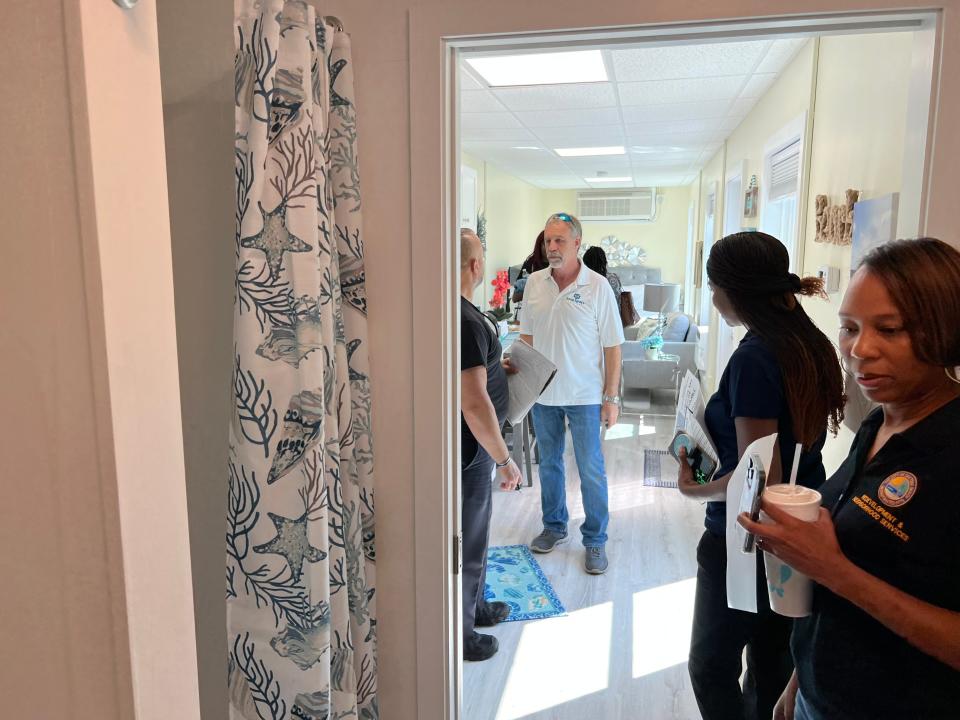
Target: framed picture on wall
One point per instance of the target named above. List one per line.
(874, 223)
(750, 201)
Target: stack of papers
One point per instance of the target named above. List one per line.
(690, 409)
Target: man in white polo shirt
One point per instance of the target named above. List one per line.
(571, 316)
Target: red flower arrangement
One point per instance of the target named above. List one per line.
(501, 288)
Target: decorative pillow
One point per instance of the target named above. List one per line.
(645, 328)
(677, 326)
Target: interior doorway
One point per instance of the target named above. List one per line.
(603, 617)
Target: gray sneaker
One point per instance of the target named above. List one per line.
(547, 541)
(596, 561)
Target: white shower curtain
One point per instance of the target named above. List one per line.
(300, 541)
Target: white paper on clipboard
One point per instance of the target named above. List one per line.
(690, 409)
(742, 567)
(534, 372)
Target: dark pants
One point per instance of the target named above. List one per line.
(720, 635)
(477, 506)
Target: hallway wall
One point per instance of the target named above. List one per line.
(196, 67)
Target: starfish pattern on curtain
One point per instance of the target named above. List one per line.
(300, 585)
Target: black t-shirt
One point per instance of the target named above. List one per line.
(479, 345)
(896, 517)
(752, 387)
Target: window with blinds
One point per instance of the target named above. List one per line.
(785, 171)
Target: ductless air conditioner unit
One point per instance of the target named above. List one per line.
(635, 205)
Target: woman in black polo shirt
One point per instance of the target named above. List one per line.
(783, 378)
(883, 640)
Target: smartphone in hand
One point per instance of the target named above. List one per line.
(703, 466)
(750, 497)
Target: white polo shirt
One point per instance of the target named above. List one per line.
(571, 328)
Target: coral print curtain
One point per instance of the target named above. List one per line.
(300, 543)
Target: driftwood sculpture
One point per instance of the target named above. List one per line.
(835, 222)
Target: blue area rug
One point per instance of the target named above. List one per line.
(514, 577)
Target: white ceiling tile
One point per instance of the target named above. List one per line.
(659, 179)
(757, 85)
(557, 182)
(731, 124)
(585, 168)
(741, 106)
(569, 118)
(683, 126)
(655, 92)
(583, 136)
(558, 97)
(675, 111)
(477, 121)
(468, 81)
(675, 139)
(659, 159)
(472, 101)
(516, 135)
(687, 61)
(780, 54)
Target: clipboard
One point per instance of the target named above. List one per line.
(534, 374)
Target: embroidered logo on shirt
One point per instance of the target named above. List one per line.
(897, 489)
(575, 298)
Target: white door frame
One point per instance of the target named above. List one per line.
(437, 34)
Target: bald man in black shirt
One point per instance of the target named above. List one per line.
(483, 402)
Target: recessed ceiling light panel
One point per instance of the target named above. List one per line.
(589, 151)
(579, 66)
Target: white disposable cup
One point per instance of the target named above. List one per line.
(791, 592)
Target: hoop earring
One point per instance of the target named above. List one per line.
(954, 377)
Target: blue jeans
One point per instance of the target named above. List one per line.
(584, 420)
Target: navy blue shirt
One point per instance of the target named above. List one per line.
(752, 387)
(896, 516)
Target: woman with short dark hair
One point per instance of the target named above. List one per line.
(783, 378)
(883, 639)
(596, 259)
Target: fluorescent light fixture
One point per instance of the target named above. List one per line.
(590, 151)
(524, 147)
(557, 68)
(609, 179)
(647, 149)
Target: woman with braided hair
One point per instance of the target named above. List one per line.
(783, 378)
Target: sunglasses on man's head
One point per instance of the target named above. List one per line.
(562, 216)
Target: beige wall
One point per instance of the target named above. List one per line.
(516, 211)
(196, 64)
(664, 239)
(96, 612)
(786, 100)
(858, 142)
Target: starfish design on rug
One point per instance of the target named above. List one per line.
(274, 239)
(335, 98)
(291, 542)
